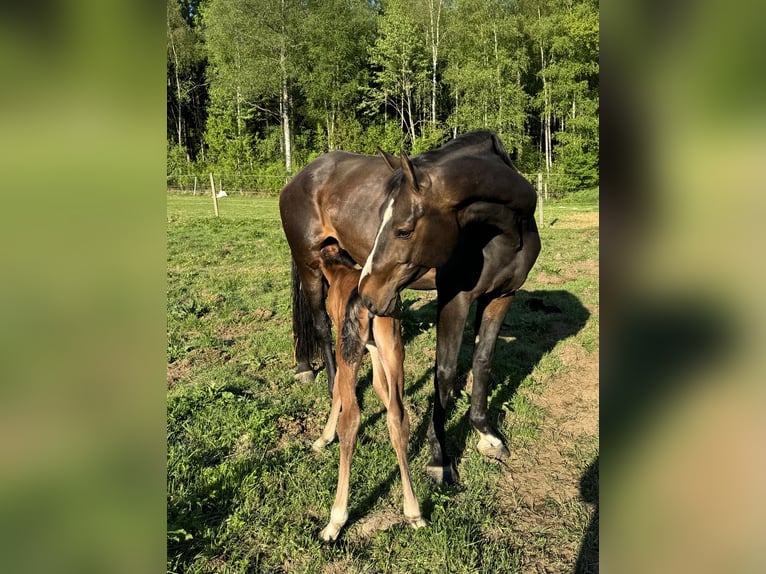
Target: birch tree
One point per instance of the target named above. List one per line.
(401, 64)
(250, 44)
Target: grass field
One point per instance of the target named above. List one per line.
(245, 491)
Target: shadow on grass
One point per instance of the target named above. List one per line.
(587, 559)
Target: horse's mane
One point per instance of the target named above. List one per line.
(478, 139)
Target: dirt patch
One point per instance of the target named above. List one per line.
(542, 480)
(178, 370)
(243, 325)
(212, 357)
(576, 220)
(544, 278)
(341, 566)
(587, 268)
(571, 399)
(229, 333)
(376, 521)
(304, 428)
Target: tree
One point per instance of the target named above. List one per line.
(185, 65)
(400, 63)
(434, 39)
(332, 70)
(277, 82)
(250, 45)
(486, 63)
(574, 93)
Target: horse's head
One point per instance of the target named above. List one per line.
(418, 231)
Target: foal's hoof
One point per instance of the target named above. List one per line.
(305, 377)
(442, 474)
(319, 444)
(329, 533)
(418, 522)
(492, 447)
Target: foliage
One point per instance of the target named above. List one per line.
(258, 86)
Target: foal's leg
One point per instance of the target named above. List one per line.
(379, 381)
(390, 364)
(348, 425)
(328, 434)
(451, 318)
(490, 314)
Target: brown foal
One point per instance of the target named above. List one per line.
(356, 329)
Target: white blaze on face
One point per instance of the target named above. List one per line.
(389, 213)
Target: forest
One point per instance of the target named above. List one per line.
(258, 88)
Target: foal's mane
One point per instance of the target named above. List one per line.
(333, 256)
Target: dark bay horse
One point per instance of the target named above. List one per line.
(356, 329)
(459, 219)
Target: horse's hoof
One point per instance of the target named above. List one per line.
(305, 377)
(442, 474)
(492, 447)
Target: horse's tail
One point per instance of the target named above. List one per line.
(305, 340)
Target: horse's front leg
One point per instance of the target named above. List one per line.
(490, 314)
(451, 319)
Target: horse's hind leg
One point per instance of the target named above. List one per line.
(312, 288)
(490, 315)
(348, 425)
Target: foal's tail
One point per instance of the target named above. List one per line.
(305, 340)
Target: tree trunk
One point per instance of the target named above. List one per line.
(285, 112)
(546, 116)
(435, 38)
(499, 85)
(239, 134)
(546, 108)
(179, 125)
(284, 100)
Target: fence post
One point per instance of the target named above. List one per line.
(540, 196)
(215, 199)
(195, 186)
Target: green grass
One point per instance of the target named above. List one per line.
(247, 494)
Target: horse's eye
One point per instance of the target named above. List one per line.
(403, 233)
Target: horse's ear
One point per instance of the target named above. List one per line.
(419, 180)
(391, 160)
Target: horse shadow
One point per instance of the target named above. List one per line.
(587, 559)
(536, 322)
